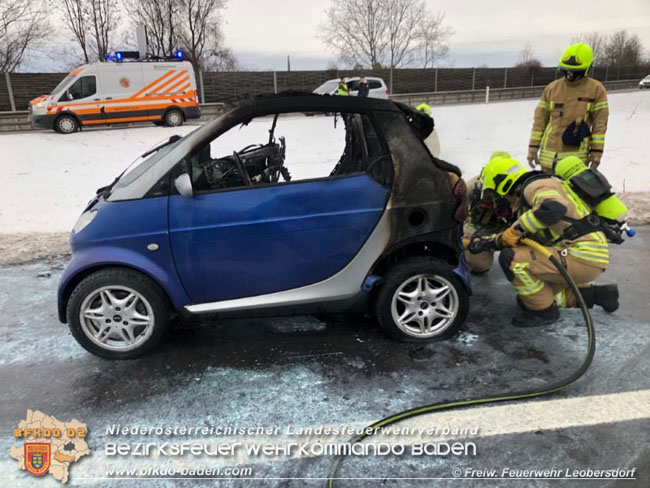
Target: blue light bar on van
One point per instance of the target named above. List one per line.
(179, 54)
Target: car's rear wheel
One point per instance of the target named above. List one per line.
(66, 124)
(173, 118)
(421, 300)
(118, 313)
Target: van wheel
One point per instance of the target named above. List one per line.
(173, 118)
(421, 300)
(66, 124)
(118, 313)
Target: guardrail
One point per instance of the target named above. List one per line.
(19, 121)
(490, 95)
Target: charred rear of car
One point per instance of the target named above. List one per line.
(381, 226)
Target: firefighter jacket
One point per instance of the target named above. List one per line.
(563, 103)
(546, 200)
(343, 89)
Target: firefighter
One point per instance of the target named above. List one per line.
(343, 89)
(571, 117)
(489, 213)
(432, 142)
(543, 202)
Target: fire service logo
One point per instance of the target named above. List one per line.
(124, 82)
(37, 457)
(50, 446)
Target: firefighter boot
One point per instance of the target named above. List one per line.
(605, 296)
(537, 318)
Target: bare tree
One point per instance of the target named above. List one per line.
(596, 41)
(201, 35)
(21, 27)
(91, 22)
(76, 19)
(433, 35)
(104, 19)
(623, 49)
(376, 33)
(527, 58)
(160, 18)
(355, 31)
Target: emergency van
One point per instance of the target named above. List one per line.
(163, 92)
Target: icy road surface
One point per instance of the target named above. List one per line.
(327, 370)
(47, 178)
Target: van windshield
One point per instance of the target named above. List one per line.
(63, 83)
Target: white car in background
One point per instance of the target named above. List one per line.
(644, 83)
(377, 86)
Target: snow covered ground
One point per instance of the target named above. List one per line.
(47, 178)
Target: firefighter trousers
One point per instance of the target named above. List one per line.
(537, 281)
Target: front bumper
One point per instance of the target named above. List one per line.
(42, 121)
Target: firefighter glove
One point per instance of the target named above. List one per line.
(594, 159)
(510, 237)
(533, 159)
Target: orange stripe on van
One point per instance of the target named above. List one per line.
(172, 89)
(153, 83)
(123, 119)
(161, 89)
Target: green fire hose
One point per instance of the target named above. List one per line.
(504, 397)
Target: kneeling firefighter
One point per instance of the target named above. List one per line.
(551, 213)
(489, 214)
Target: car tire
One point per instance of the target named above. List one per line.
(118, 313)
(421, 300)
(66, 124)
(174, 118)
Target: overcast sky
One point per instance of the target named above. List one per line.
(263, 33)
(492, 32)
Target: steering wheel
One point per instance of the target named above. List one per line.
(242, 170)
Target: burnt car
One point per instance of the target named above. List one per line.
(233, 234)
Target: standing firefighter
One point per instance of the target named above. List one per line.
(489, 213)
(546, 205)
(343, 89)
(571, 117)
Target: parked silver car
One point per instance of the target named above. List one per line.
(644, 83)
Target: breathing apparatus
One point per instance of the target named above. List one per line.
(591, 186)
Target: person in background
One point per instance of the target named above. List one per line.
(571, 117)
(343, 88)
(363, 89)
(432, 142)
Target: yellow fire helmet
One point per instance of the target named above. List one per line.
(501, 173)
(423, 107)
(577, 57)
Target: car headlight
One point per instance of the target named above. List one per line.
(83, 221)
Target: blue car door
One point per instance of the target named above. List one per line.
(258, 240)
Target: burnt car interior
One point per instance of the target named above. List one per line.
(264, 163)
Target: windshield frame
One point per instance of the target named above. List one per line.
(64, 82)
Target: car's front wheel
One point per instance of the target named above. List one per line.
(421, 300)
(118, 313)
